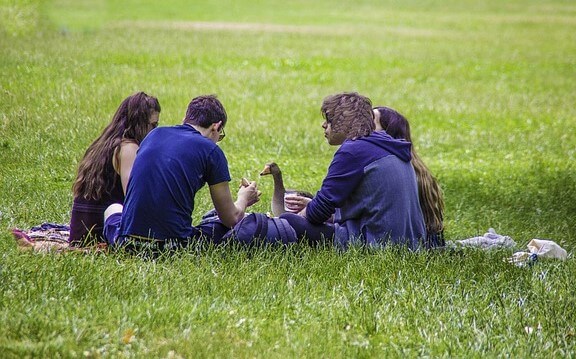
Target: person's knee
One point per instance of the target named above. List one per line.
(313, 233)
(297, 222)
(112, 219)
(114, 208)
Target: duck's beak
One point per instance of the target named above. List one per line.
(265, 171)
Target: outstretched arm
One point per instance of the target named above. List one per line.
(231, 212)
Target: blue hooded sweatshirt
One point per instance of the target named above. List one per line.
(372, 191)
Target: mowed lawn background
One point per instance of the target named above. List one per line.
(488, 87)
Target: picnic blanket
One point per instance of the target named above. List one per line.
(49, 237)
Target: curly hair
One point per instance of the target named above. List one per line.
(131, 122)
(349, 113)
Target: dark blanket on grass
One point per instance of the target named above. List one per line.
(49, 237)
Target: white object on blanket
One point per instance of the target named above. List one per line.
(489, 240)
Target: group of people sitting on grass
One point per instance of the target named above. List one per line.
(137, 183)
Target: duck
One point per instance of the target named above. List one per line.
(278, 208)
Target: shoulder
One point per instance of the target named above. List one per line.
(128, 144)
(126, 151)
(176, 135)
(127, 148)
(189, 133)
(352, 148)
(217, 155)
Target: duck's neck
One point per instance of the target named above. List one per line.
(278, 195)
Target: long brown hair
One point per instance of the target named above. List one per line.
(131, 123)
(429, 191)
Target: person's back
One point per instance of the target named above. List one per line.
(173, 163)
(373, 187)
(383, 207)
(105, 168)
(370, 186)
(86, 222)
(430, 194)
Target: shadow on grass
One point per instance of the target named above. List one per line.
(539, 201)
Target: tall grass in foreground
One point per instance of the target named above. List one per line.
(489, 89)
(296, 302)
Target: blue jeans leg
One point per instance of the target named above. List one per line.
(315, 233)
(112, 228)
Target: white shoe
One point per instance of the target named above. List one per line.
(112, 209)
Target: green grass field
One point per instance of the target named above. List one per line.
(489, 88)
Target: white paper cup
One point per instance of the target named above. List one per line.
(288, 193)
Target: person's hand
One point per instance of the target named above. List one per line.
(249, 193)
(295, 203)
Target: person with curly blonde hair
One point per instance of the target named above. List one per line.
(370, 188)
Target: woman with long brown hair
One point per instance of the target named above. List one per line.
(105, 168)
(429, 191)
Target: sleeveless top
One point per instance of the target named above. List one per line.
(87, 220)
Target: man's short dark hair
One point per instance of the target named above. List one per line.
(205, 110)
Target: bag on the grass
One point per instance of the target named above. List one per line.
(258, 228)
(545, 248)
(213, 226)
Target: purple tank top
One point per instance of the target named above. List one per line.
(87, 220)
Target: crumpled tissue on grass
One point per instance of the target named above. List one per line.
(489, 240)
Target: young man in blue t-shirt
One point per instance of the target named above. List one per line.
(172, 164)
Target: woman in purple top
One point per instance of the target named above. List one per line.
(429, 191)
(370, 190)
(104, 171)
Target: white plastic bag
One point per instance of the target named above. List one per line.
(538, 248)
(547, 249)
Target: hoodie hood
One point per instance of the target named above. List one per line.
(398, 148)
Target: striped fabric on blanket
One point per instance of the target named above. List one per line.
(48, 237)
